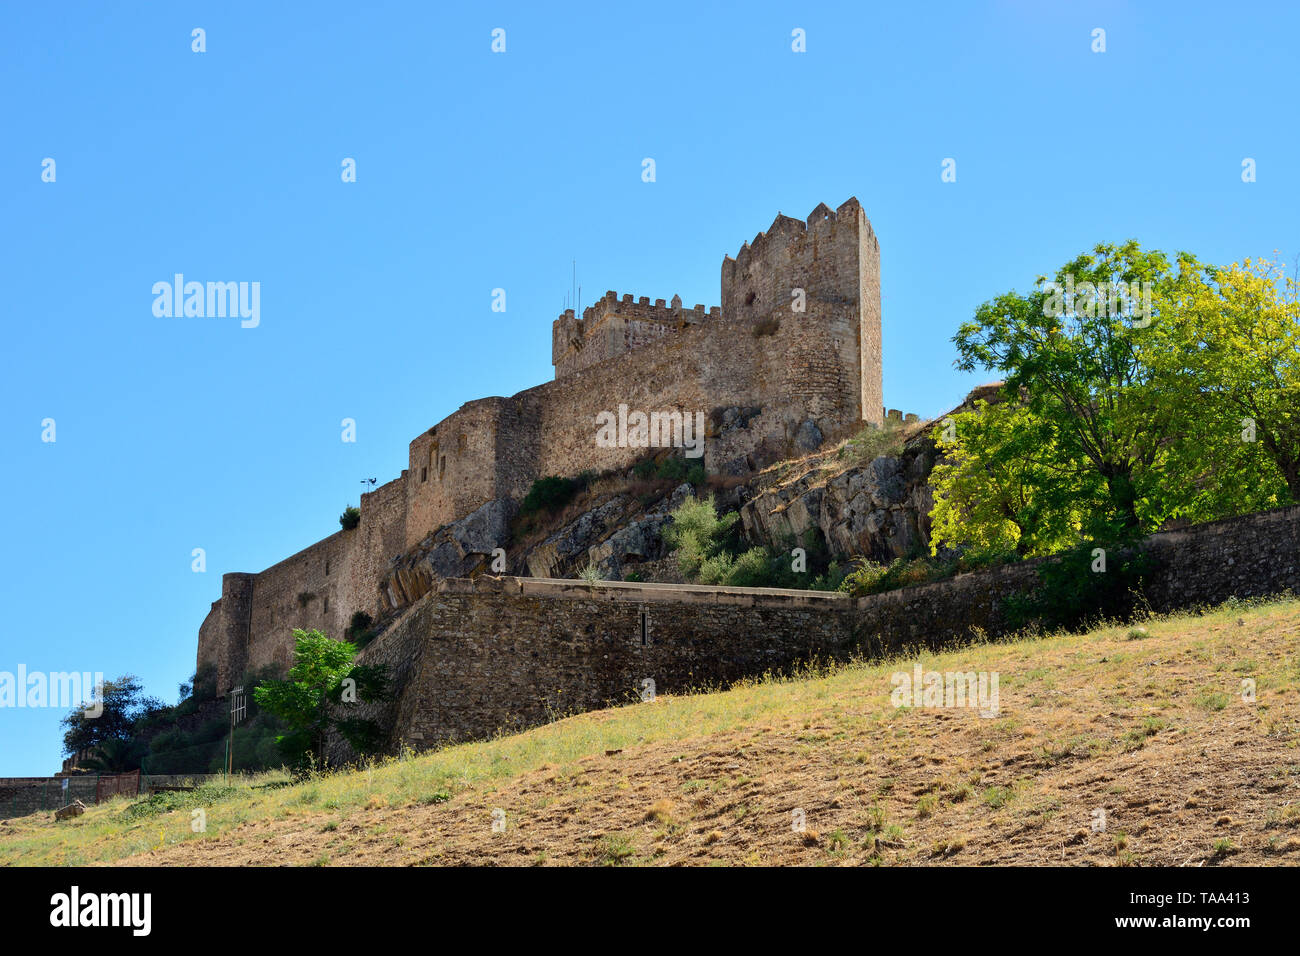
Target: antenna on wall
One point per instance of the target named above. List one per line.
(573, 298)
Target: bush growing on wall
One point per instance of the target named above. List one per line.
(350, 518)
(550, 494)
(359, 630)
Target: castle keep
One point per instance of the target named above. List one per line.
(795, 344)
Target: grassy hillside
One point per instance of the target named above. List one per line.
(1147, 725)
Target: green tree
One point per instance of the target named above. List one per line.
(1226, 361)
(1070, 350)
(322, 687)
(118, 706)
(1003, 485)
(114, 756)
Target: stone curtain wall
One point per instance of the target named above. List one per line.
(613, 326)
(251, 627)
(1236, 557)
(498, 654)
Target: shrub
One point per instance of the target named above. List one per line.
(709, 551)
(872, 442)
(550, 494)
(672, 468)
(864, 579)
(1070, 594)
(359, 631)
(350, 518)
(830, 580)
(753, 569)
(697, 532)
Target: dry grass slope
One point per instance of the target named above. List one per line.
(1148, 725)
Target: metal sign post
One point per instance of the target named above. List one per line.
(238, 708)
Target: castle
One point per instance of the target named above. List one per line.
(790, 359)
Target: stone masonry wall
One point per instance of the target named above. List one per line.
(490, 654)
(613, 326)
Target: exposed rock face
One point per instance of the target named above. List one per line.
(879, 510)
(570, 544)
(809, 436)
(455, 550)
(614, 536)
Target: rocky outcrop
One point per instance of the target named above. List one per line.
(879, 510)
(456, 550)
(569, 546)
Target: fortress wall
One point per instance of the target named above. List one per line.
(452, 467)
(379, 538)
(796, 373)
(835, 258)
(251, 627)
(518, 444)
(612, 326)
(321, 571)
(503, 654)
(224, 634)
(488, 654)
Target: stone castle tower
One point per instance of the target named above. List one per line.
(791, 358)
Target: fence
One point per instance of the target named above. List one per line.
(20, 796)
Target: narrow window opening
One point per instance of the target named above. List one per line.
(327, 567)
(645, 629)
(327, 605)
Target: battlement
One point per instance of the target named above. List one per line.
(828, 266)
(613, 325)
(612, 304)
(785, 230)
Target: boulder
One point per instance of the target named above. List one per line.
(75, 809)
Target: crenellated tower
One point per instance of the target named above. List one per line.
(832, 263)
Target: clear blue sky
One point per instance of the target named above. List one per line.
(476, 171)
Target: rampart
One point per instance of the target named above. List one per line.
(479, 656)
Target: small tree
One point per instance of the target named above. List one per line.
(322, 685)
(121, 703)
(113, 756)
(350, 518)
